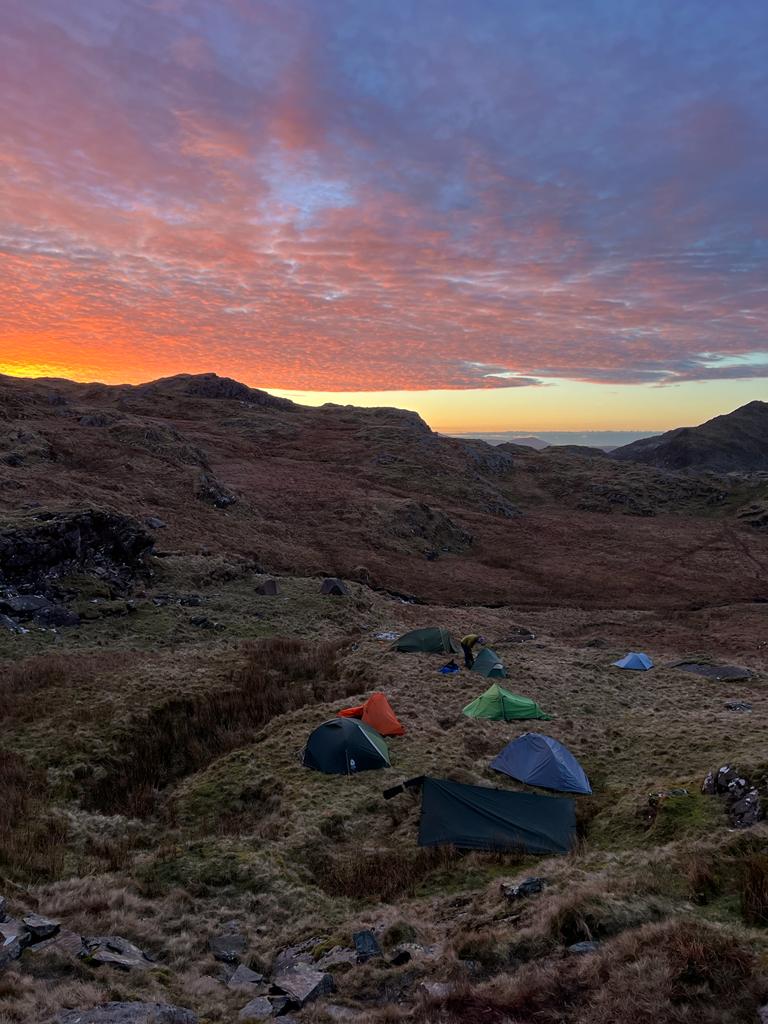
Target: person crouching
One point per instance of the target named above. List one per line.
(468, 645)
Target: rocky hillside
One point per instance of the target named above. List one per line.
(734, 443)
(206, 463)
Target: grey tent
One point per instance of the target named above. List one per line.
(488, 664)
(479, 818)
(433, 640)
(540, 760)
(268, 588)
(333, 587)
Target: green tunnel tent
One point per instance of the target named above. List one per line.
(433, 640)
(481, 818)
(343, 746)
(502, 706)
(488, 664)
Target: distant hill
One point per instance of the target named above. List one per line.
(735, 442)
(530, 442)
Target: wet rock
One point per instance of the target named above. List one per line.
(209, 490)
(56, 617)
(229, 948)
(244, 978)
(582, 948)
(366, 946)
(40, 927)
(129, 1013)
(155, 523)
(303, 983)
(115, 951)
(259, 1008)
(528, 887)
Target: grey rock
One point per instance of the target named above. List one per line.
(23, 606)
(528, 887)
(40, 927)
(280, 1004)
(56, 616)
(228, 948)
(582, 948)
(336, 956)
(209, 490)
(244, 978)
(300, 953)
(762, 1014)
(129, 1013)
(3, 909)
(155, 523)
(303, 983)
(65, 942)
(436, 989)
(738, 705)
(115, 951)
(14, 937)
(366, 946)
(259, 1008)
(11, 625)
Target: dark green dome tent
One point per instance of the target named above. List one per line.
(343, 746)
(433, 640)
(503, 706)
(488, 664)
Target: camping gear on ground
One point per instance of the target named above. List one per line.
(540, 760)
(433, 640)
(343, 746)
(480, 818)
(376, 712)
(488, 664)
(268, 588)
(710, 671)
(449, 668)
(333, 587)
(634, 660)
(501, 705)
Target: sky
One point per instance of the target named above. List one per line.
(508, 215)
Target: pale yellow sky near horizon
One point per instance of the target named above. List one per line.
(559, 405)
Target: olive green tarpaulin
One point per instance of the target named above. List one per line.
(479, 818)
(501, 705)
(434, 640)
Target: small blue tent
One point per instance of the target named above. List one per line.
(541, 761)
(634, 660)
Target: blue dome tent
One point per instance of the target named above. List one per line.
(541, 761)
(634, 660)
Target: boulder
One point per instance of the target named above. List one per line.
(743, 800)
(279, 1004)
(366, 946)
(582, 948)
(56, 616)
(64, 942)
(155, 523)
(303, 983)
(259, 1008)
(129, 1013)
(228, 948)
(24, 606)
(209, 490)
(11, 625)
(335, 957)
(40, 927)
(115, 951)
(291, 955)
(528, 887)
(244, 978)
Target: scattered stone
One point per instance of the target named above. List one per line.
(245, 978)
(209, 489)
(115, 951)
(366, 946)
(129, 1013)
(155, 523)
(228, 948)
(40, 927)
(303, 983)
(528, 887)
(259, 1008)
(581, 948)
(55, 617)
(738, 705)
(291, 955)
(191, 600)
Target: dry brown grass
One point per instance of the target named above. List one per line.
(754, 889)
(32, 842)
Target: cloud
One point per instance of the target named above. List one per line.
(363, 197)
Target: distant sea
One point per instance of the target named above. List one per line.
(591, 438)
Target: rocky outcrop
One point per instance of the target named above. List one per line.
(414, 519)
(744, 802)
(209, 490)
(117, 952)
(115, 544)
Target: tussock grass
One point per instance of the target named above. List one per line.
(754, 889)
(32, 841)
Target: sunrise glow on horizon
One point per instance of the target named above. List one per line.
(530, 216)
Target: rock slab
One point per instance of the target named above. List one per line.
(129, 1013)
